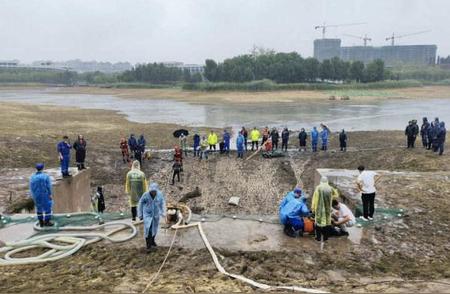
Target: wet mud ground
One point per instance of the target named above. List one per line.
(410, 256)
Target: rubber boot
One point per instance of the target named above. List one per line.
(79, 167)
(49, 223)
(82, 166)
(318, 234)
(41, 223)
(153, 241)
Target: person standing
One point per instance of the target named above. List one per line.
(212, 140)
(141, 143)
(183, 143)
(302, 136)
(135, 186)
(343, 140)
(254, 136)
(411, 131)
(285, 139)
(365, 183)
(265, 135)
(196, 144)
(100, 200)
(240, 145)
(64, 156)
(245, 134)
(41, 192)
(132, 143)
(314, 139)
(275, 136)
(152, 206)
(204, 148)
(124, 150)
(424, 129)
(80, 152)
(226, 142)
(321, 207)
(176, 167)
(138, 154)
(441, 137)
(430, 136)
(324, 137)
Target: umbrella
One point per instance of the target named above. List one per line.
(178, 133)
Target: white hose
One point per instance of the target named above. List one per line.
(74, 243)
(220, 268)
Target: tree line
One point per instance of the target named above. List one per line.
(158, 73)
(291, 68)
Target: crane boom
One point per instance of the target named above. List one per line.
(364, 38)
(393, 37)
(325, 26)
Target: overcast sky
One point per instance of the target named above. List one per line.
(193, 30)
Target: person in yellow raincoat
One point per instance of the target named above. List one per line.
(321, 207)
(135, 186)
(212, 140)
(254, 137)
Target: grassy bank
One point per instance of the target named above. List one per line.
(267, 85)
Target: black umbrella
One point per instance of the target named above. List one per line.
(178, 133)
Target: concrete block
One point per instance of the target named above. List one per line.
(73, 194)
(234, 201)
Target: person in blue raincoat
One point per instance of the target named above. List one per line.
(133, 144)
(64, 155)
(41, 192)
(226, 142)
(324, 137)
(152, 206)
(314, 139)
(141, 143)
(196, 144)
(240, 145)
(292, 210)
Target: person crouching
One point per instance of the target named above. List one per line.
(152, 206)
(292, 210)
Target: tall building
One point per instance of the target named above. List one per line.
(391, 55)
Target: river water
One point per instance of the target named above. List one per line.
(353, 116)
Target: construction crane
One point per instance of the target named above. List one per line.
(325, 26)
(365, 38)
(393, 37)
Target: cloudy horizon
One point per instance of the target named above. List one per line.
(193, 30)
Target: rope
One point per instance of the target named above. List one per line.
(162, 265)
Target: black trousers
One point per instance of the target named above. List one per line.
(411, 140)
(150, 240)
(175, 173)
(368, 201)
(275, 145)
(255, 143)
(211, 147)
(323, 231)
(133, 213)
(284, 145)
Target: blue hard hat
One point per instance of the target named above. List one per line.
(298, 191)
(39, 166)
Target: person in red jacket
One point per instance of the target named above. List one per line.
(125, 150)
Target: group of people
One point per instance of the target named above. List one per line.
(133, 148)
(433, 134)
(64, 148)
(267, 139)
(329, 216)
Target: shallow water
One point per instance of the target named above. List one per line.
(353, 116)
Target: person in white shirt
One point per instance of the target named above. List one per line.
(366, 185)
(342, 215)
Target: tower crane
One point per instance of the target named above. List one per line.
(393, 37)
(325, 26)
(365, 38)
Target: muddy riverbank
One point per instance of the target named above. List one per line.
(408, 256)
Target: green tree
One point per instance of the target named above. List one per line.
(375, 71)
(326, 71)
(211, 73)
(312, 67)
(357, 71)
